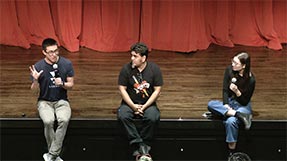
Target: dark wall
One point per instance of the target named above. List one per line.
(23, 139)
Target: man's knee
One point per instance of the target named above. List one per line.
(123, 116)
(64, 121)
(153, 118)
(152, 114)
(124, 113)
(49, 122)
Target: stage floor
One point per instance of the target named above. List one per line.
(190, 81)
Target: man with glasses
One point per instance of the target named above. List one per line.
(140, 83)
(52, 76)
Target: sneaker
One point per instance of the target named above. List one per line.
(211, 116)
(48, 157)
(229, 156)
(145, 158)
(246, 119)
(239, 156)
(59, 159)
(207, 115)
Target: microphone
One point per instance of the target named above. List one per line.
(55, 67)
(233, 80)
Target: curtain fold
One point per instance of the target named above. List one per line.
(176, 26)
(243, 27)
(110, 25)
(35, 20)
(264, 23)
(217, 18)
(67, 16)
(173, 25)
(280, 19)
(11, 33)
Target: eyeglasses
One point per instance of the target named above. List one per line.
(56, 51)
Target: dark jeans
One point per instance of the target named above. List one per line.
(149, 123)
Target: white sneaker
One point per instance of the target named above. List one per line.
(59, 159)
(145, 158)
(48, 157)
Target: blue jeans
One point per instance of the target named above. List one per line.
(231, 123)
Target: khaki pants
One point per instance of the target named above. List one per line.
(49, 112)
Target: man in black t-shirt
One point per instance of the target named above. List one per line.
(53, 76)
(140, 85)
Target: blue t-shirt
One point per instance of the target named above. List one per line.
(48, 90)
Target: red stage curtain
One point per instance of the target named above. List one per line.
(35, 20)
(252, 24)
(280, 19)
(110, 25)
(11, 33)
(174, 25)
(216, 14)
(67, 15)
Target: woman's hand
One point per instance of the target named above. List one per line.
(235, 89)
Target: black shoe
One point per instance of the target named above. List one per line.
(246, 119)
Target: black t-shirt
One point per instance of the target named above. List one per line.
(140, 85)
(48, 90)
(245, 85)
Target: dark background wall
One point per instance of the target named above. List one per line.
(91, 139)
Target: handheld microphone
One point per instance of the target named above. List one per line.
(55, 67)
(233, 80)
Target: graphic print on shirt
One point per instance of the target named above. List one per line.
(53, 80)
(141, 86)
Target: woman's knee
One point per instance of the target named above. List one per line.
(212, 103)
(231, 122)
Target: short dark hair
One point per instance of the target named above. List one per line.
(48, 42)
(140, 48)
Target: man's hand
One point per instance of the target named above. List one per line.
(139, 110)
(34, 73)
(59, 82)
